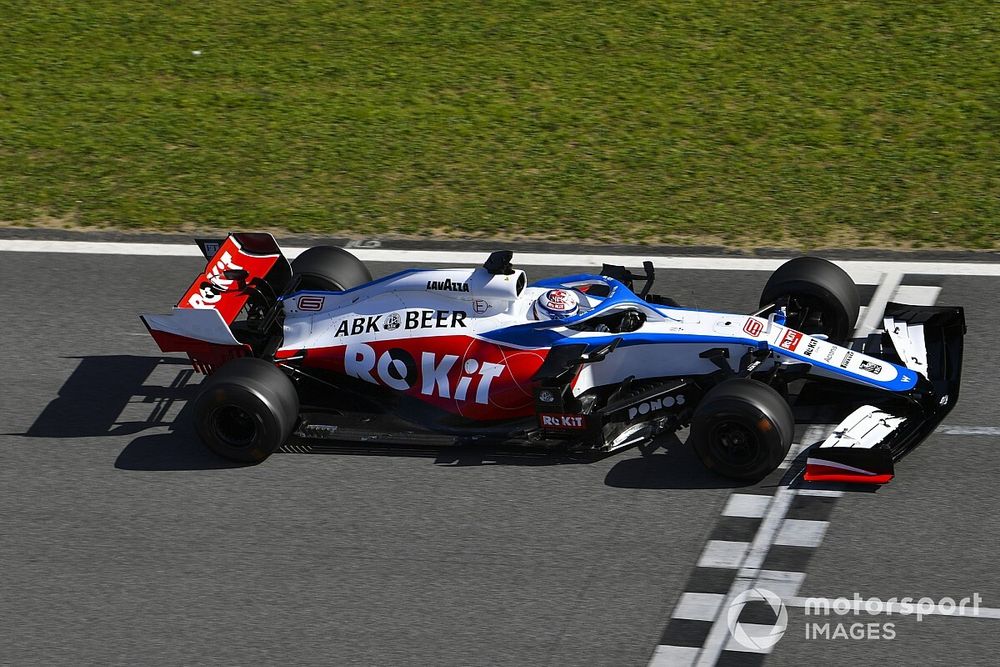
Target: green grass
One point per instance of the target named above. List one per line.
(754, 123)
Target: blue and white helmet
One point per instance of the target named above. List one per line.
(557, 304)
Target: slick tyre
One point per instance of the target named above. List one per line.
(742, 429)
(821, 297)
(246, 410)
(326, 268)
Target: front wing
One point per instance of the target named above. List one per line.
(865, 446)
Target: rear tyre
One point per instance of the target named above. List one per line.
(821, 298)
(326, 268)
(742, 429)
(246, 410)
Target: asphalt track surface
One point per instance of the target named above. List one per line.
(122, 541)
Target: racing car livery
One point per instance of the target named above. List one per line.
(584, 363)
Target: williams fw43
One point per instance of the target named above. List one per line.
(584, 364)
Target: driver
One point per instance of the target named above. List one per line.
(556, 304)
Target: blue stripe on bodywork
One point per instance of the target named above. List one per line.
(896, 384)
(533, 335)
(541, 334)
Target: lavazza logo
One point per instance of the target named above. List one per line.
(447, 285)
(761, 637)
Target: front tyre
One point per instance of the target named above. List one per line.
(246, 410)
(820, 297)
(742, 429)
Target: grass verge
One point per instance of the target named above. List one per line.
(777, 123)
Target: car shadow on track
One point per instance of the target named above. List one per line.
(675, 467)
(178, 450)
(119, 396)
(449, 456)
(94, 400)
(126, 395)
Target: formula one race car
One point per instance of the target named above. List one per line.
(318, 349)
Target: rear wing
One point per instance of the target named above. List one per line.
(244, 277)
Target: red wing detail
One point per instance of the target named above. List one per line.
(205, 357)
(212, 289)
(823, 473)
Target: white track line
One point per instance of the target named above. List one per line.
(872, 319)
(673, 656)
(781, 583)
(748, 505)
(720, 553)
(102, 248)
(866, 272)
(916, 295)
(828, 493)
(801, 533)
(968, 430)
(699, 606)
(751, 569)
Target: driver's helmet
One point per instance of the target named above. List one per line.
(557, 304)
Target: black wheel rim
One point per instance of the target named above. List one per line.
(234, 426)
(809, 315)
(735, 443)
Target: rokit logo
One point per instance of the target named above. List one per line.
(790, 340)
(397, 369)
(655, 405)
(211, 294)
(556, 420)
(811, 347)
(447, 285)
(410, 319)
